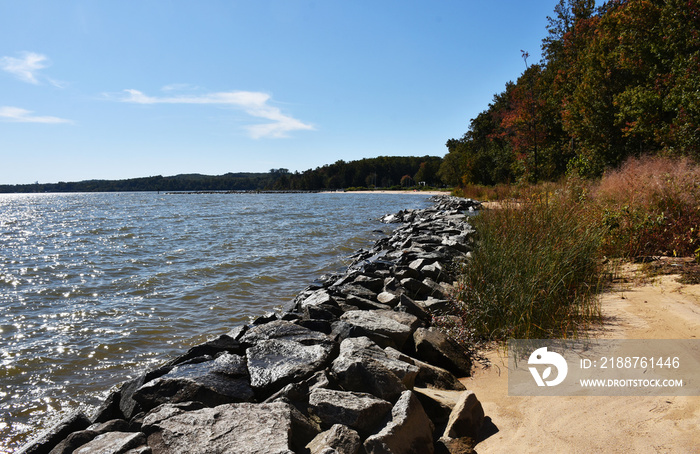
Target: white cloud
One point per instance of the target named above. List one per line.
(19, 115)
(253, 103)
(26, 68)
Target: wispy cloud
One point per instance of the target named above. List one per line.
(20, 115)
(27, 68)
(254, 104)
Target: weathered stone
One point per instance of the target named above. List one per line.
(242, 428)
(463, 445)
(74, 441)
(358, 290)
(281, 329)
(339, 439)
(51, 437)
(466, 418)
(364, 303)
(415, 288)
(428, 375)
(436, 348)
(115, 425)
(364, 367)
(373, 284)
(378, 322)
(360, 411)
(274, 363)
(388, 298)
(409, 431)
(318, 298)
(113, 443)
(406, 319)
(438, 404)
(213, 382)
(322, 326)
(109, 409)
(223, 343)
(265, 318)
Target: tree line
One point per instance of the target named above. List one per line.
(383, 171)
(615, 81)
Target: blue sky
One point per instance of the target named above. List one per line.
(122, 89)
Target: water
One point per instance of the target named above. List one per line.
(97, 287)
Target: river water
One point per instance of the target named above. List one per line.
(97, 287)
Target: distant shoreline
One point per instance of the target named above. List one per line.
(389, 191)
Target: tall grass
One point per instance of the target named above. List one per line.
(650, 206)
(533, 274)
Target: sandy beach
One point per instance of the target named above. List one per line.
(634, 308)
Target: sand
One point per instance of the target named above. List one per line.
(637, 309)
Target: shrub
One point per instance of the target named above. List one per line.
(650, 206)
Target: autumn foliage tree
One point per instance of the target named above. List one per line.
(615, 81)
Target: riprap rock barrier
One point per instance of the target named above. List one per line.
(351, 366)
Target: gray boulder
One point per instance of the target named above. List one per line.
(428, 375)
(222, 380)
(49, 438)
(363, 366)
(410, 431)
(243, 428)
(282, 329)
(466, 417)
(379, 323)
(338, 439)
(113, 443)
(274, 363)
(360, 411)
(436, 348)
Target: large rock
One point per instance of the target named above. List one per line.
(113, 443)
(49, 438)
(359, 411)
(428, 375)
(410, 431)
(242, 428)
(223, 380)
(364, 367)
(466, 418)
(436, 348)
(339, 439)
(282, 329)
(377, 322)
(274, 363)
(223, 343)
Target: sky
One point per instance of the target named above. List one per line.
(116, 89)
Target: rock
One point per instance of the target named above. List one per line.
(388, 298)
(51, 437)
(115, 425)
(113, 443)
(466, 418)
(409, 431)
(223, 343)
(318, 298)
(281, 329)
(341, 439)
(436, 348)
(438, 404)
(214, 382)
(364, 367)
(274, 363)
(360, 411)
(379, 323)
(74, 441)
(265, 318)
(406, 319)
(358, 290)
(373, 284)
(428, 375)
(364, 303)
(243, 428)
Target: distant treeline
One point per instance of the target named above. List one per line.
(384, 171)
(618, 80)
